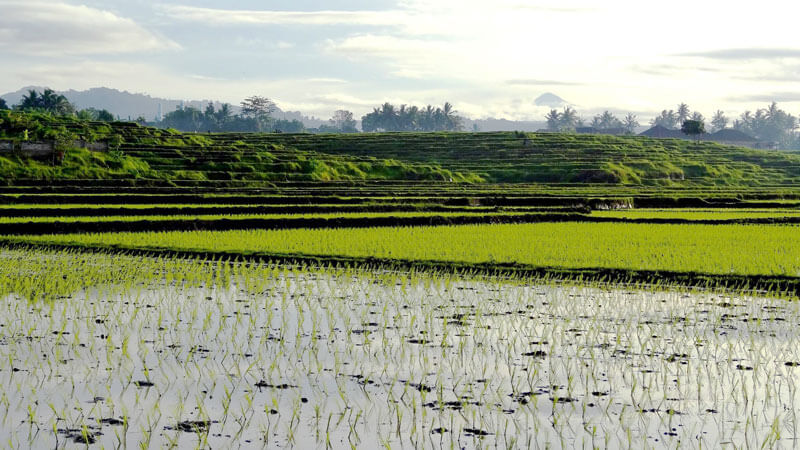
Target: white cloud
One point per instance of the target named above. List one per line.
(54, 28)
(261, 17)
(258, 43)
(488, 58)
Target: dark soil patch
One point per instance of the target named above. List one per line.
(264, 384)
(476, 432)
(194, 426)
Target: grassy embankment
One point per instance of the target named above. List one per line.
(187, 157)
(418, 162)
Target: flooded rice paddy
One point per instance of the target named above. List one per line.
(198, 354)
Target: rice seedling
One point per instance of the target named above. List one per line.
(717, 250)
(122, 351)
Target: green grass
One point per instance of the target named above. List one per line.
(149, 155)
(555, 158)
(711, 249)
(699, 214)
(77, 164)
(561, 160)
(156, 218)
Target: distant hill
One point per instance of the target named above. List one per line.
(128, 105)
(550, 100)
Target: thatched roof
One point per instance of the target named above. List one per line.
(730, 135)
(659, 131)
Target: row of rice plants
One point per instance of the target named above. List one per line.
(712, 249)
(156, 218)
(161, 352)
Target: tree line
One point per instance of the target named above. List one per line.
(568, 120)
(50, 102)
(389, 117)
(770, 124)
(255, 116)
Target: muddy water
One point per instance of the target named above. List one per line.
(309, 359)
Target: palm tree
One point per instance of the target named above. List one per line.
(388, 117)
(223, 114)
(683, 113)
(719, 121)
(553, 120)
(698, 117)
(568, 119)
(48, 101)
(30, 101)
(404, 119)
(667, 119)
(630, 123)
(606, 121)
(452, 122)
(427, 119)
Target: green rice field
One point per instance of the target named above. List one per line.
(107, 350)
(395, 290)
(713, 249)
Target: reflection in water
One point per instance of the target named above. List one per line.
(280, 357)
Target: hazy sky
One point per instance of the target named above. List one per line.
(489, 58)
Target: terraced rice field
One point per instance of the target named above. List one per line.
(160, 352)
(421, 290)
(769, 250)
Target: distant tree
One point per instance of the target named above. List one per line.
(105, 115)
(84, 114)
(223, 115)
(257, 106)
(100, 115)
(606, 121)
(185, 119)
(683, 113)
(427, 119)
(47, 101)
(343, 121)
(30, 100)
(412, 118)
(210, 111)
(667, 119)
(388, 117)
(719, 121)
(696, 116)
(289, 126)
(260, 109)
(372, 121)
(568, 119)
(553, 120)
(630, 123)
(770, 124)
(3, 104)
(406, 118)
(693, 128)
(452, 120)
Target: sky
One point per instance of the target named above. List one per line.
(488, 58)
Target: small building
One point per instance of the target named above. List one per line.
(661, 132)
(729, 136)
(726, 136)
